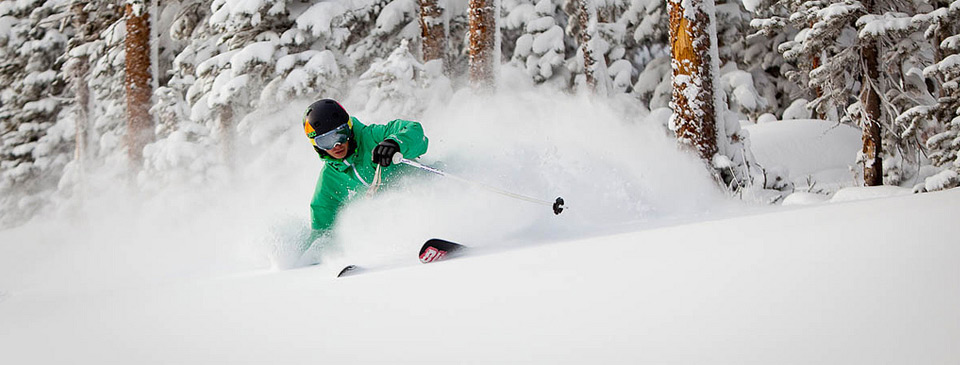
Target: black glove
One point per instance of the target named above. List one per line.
(383, 152)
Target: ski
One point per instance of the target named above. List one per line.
(349, 270)
(432, 251)
(437, 249)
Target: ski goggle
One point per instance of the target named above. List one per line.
(331, 139)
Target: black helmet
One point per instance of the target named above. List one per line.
(325, 116)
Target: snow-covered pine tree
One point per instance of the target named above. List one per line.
(942, 26)
(400, 86)
(77, 69)
(106, 82)
(539, 44)
(901, 54)
(649, 41)
(904, 54)
(36, 139)
(373, 29)
(749, 65)
(96, 81)
(750, 76)
(834, 53)
(601, 62)
(700, 118)
(760, 57)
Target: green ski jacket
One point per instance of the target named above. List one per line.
(340, 180)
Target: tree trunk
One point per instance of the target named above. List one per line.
(694, 109)
(870, 103)
(818, 91)
(587, 14)
(82, 100)
(482, 43)
(225, 129)
(431, 30)
(78, 75)
(137, 80)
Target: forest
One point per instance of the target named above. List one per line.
(154, 93)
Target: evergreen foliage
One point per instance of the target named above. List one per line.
(35, 135)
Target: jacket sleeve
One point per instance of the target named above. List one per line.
(327, 199)
(409, 135)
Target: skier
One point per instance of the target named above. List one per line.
(357, 157)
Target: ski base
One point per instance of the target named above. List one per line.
(432, 251)
(437, 250)
(349, 270)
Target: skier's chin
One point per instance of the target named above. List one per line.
(338, 152)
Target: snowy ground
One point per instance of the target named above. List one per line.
(826, 284)
(652, 263)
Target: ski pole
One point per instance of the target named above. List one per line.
(557, 205)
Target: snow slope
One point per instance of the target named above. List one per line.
(827, 284)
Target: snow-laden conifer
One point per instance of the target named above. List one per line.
(942, 26)
(400, 86)
(36, 137)
(859, 62)
(540, 48)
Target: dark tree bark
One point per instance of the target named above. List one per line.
(694, 109)
(482, 38)
(870, 102)
(225, 129)
(137, 82)
(431, 30)
(586, 13)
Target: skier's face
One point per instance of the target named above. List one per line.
(339, 151)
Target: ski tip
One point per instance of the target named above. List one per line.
(558, 206)
(348, 270)
(437, 249)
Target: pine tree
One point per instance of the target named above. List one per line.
(539, 44)
(36, 140)
(942, 26)
(600, 28)
(700, 118)
(651, 41)
(90, 19)
(78, 70)
(400, 86)
(855, 57)
(766, 65)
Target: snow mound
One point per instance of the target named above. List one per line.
(946, 179)
(805, 198)
(816, 153)
(868, 192)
